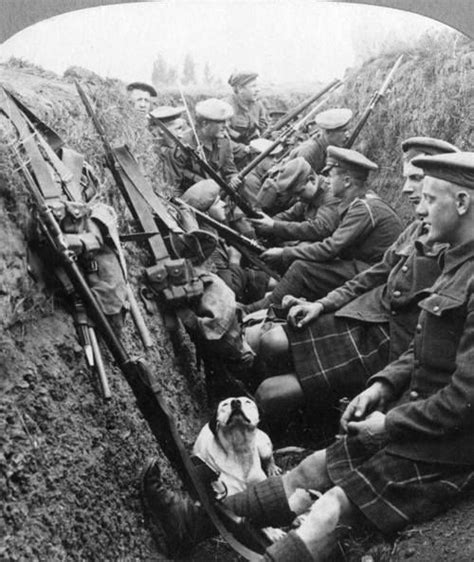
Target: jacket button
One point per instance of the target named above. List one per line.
(397, 293)
(435, 308)
(418, 328)
(405, 269)
(414, 395)
(393, 312)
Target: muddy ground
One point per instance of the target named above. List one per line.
(70, 461)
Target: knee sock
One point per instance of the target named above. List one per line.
(265, 503)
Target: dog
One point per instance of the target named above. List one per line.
(235, 448)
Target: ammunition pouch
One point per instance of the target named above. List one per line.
(176, 281)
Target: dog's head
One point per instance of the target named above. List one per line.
(235, 412)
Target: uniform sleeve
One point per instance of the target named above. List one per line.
(294, 213)
(228, 166)
(366, 280)
(312, 230)
(357, 222)
(452, 407)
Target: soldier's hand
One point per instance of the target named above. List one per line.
(234, 255)
(289, 300)
(371, 430)
(301, 315)
(263, 225)
(372, 398)
(235, 182)
(272, 256)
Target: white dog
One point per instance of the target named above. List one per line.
(233, 446)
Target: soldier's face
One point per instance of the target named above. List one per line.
(337, 182)
(177, 127)
(413, 185)
(441, 209)
(249, 92)
(307, 191)
(141, 100)
(337, 137)
(214, 129)
(218, 210)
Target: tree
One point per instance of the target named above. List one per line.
(160, 72)
(189, 70)
(207, 77)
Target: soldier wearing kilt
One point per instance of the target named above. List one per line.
(407, 453)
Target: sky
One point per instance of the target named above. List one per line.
(284, 40)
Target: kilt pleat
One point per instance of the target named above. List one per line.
(393, 491)
(335, 356)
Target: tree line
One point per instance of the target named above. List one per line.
(166, 74)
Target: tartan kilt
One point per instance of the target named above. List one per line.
(393, 491)
(333, 357)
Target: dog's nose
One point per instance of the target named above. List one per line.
(235, 405)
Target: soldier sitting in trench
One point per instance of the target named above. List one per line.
(329, 347)
(407, 453)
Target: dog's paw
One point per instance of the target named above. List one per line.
(274, 534)
(274, 470)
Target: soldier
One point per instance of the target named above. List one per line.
(340, 340)
(254, 179)
(367, 227)
(140, 94)
(332, 130)
(250, 117)
(389, 469)
(172, 118)
(248, 284)
(315, 214)
(211, 117)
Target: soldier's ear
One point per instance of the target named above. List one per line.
(463, 202)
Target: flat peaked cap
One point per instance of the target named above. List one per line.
(214, 109)
(142, 86)
(166, 112)
(294, 173)
(260, 145)
(427, 145)
(333, 118)
(455, 167)
(202, 195)
(350, 160)
(241, 78)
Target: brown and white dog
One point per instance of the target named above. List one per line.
(233, 446)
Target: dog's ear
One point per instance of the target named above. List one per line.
(213, 423)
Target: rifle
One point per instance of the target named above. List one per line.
(282, 137)
(301, 107)
(246, 246)
(372, 103)
(236, 197)
(145, 388)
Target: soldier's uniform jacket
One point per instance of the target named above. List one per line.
(434, 418)
(390, 290)
(314, 151)
(248, 121)
(368, 226)
(218, 155)
(312, 221)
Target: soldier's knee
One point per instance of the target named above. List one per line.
(274, 342)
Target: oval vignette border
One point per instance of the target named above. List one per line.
(19, 14)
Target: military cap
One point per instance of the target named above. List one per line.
(350, 160)
(260, 145)
(426, 145)
(454, 167)
(294, 173)
(214, 110)
(202, 195)
(241, 78)
(333, 118)
(276, 111)
(166, 113)
(142, 86)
